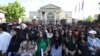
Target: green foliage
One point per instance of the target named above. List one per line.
(13, 10)
(2, 8)
(90, 19)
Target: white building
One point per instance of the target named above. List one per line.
(2, 17)
(51, 14)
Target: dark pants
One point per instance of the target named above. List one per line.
(0, 53)
(4, 54)
(98, 53)
(70, 54)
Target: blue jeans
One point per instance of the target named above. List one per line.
(14, 53)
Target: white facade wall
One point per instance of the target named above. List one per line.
(58, 13)
(2, 17)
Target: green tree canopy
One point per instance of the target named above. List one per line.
(13, 10)
(89, 19)
(2, 8)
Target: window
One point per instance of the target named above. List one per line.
(43, 13)
(50, 18)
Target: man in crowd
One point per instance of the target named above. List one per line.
(93, 43)
(23, 31)
(5, 38)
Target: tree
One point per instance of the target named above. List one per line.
(90, 19)
(13, 10)
(2, 8)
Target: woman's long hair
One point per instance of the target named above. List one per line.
(56, 40)
(44, 36)
(17, 34)
(16, 38)
(64, 33)
(85, 37)
(48, 29)
(67, 33)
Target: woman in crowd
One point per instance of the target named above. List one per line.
(49, 33)
(27, 47)
(70, 44)
(56, 48)
(76, 33)
(14, 44)
(41, 44)
(62, 33)
(82, 45)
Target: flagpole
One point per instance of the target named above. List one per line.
(83, 9)
(79, 10)
(83, 14)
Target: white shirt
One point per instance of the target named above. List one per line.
(4, 41)
(49, 35)
(94, 42)
(11, 32)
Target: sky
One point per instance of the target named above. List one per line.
(91, 7)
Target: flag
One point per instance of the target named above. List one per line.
(82, 4)
(75, 8)
(79, 6)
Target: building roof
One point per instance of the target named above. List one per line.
(2, 11)
(49, 6)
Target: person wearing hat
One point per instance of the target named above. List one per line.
(5, 38)
(93, 43)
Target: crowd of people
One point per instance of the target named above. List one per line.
(49, 40)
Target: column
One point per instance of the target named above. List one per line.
(46, 17)
(40, 16)
(58, 20)
(43, 18)
(55, 18)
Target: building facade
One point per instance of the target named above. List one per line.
(2, 17)
(51, 14)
